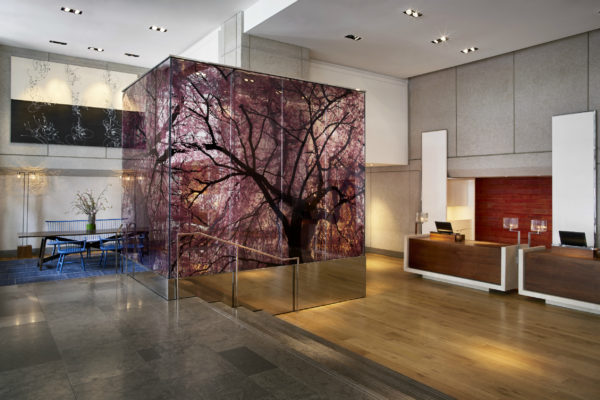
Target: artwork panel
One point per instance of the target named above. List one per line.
(47, 123)
(271, 163)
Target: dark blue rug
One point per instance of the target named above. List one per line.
(15, 272)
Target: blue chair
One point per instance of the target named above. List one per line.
(65, 248)
(135, 244)
(109, 244)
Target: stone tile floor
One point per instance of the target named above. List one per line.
(108, 337)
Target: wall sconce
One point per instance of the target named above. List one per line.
(538, 226)
(131, 177)
(512, 224)
(421, 217)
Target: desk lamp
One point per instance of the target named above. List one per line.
(421, 217)
(537, 226)
(512, 224)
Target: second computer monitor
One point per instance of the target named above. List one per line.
(568, 238)
(444, 227)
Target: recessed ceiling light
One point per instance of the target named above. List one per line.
(71, 10)
(441, 39)
(100, 49)
(413, 13)
(57, 42)
(132, 55)
(356, 38)
(469, 50)
(157, 28)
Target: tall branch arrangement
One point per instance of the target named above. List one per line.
(90, 204)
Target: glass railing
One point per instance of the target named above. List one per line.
(142, 261)
(216, 269)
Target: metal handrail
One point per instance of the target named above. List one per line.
(234, 279)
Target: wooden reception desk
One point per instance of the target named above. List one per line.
(480, 265)
(567, 277)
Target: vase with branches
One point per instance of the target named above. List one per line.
(90, 204)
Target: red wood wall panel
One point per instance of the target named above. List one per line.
(524, 197)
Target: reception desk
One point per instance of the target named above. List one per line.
(479, 265)
(566, 277)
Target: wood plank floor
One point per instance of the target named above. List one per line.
(467, 343)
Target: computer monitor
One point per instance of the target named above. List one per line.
(444, 227)
(568, 238)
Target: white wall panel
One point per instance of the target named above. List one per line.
(434, 177)
(574, 174)
(45, 81)
(205, 49)
(386, 109)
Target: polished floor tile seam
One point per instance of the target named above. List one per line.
(233, 316)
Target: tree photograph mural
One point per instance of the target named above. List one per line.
(272, 163)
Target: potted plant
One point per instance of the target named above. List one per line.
(89, 204)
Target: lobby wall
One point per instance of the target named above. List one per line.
(528, 198)
(67, 168)
(498, 115)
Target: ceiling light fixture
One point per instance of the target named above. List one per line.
(72, 10)
(412, 13)
(99, 49)
(469, 50)
(441, 39)
(132, 55)
(57, 42)
(356, 38)
(157, 28)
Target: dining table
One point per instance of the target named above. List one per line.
(65, 235)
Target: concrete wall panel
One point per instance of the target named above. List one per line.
(432, 106)
(550, 79)
(485, 107)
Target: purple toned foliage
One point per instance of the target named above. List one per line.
(272, 163)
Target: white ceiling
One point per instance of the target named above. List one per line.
(398, 45)
(118, 26)
(393, 43)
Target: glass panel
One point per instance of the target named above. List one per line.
(256, 213)
(208, 267)
(146, 175)
(203, 188)
(332, 281)
(324, 174)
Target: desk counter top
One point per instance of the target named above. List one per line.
(570, 252)
(474, 243)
